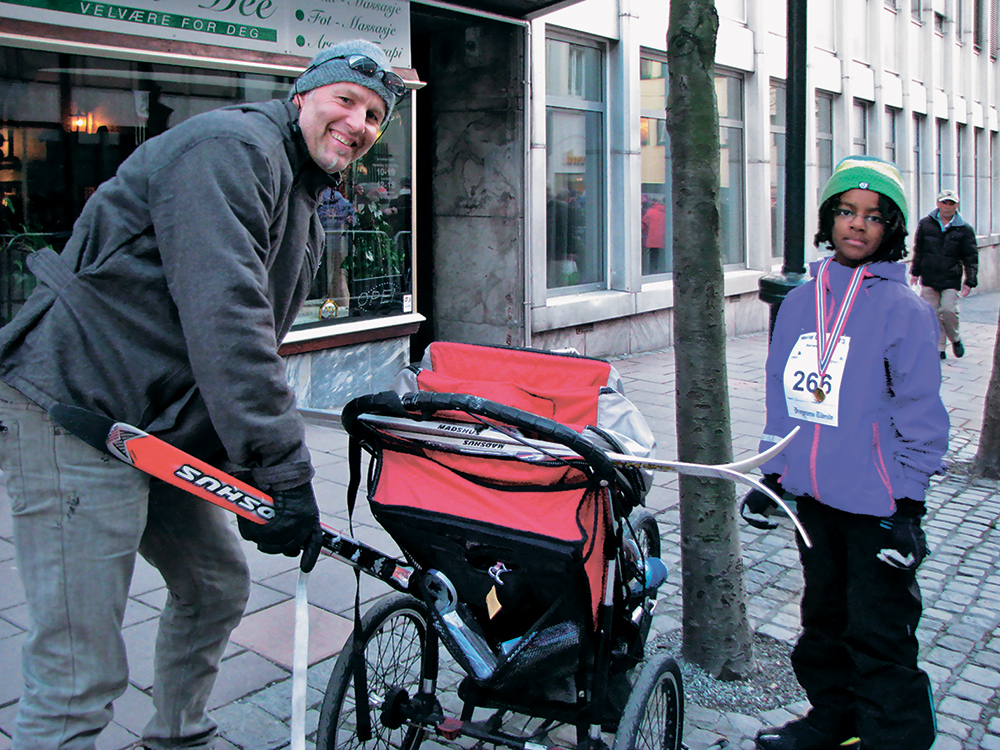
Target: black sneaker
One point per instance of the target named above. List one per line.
(958, 348)
(944, 356)
(803, 734)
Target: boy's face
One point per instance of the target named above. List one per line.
(857, 227)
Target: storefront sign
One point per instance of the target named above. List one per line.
(279, 26)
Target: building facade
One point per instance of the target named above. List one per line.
(522, 196)
(912, 81)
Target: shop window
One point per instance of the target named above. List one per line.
(824, 138)
(939, 21)
(366, 270)
(978, 24)
(919, 126)
(993, 175)
(994, 24)
(980, 199)
(656, 179)
(732, 168)
(657, 204)
(575, 173)
(862, 115)
(960, 155)
(68, 121)
(891, 136)
(778, 120)
(939, 152)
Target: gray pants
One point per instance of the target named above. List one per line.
(945, 304)
(79, 517)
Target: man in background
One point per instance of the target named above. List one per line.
(945, 250)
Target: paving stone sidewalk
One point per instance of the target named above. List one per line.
(960, 580)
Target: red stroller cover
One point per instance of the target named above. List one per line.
(472, 513)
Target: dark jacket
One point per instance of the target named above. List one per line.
(183, 274)
(941, 255)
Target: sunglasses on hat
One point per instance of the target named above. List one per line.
(368, 67)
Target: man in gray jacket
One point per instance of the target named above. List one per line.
(165, 310)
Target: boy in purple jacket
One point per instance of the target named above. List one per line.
(853, 361)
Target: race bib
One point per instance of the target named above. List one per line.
(803, 383)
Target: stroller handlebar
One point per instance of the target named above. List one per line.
(424, 405)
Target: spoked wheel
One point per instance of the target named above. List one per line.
(653, 718)
(400, 650)
(645, 532)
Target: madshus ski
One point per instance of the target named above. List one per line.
(484, 439)
(162, 460)
(158, 458)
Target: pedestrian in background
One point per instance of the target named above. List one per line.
(945, 250)
(165, 310)
(853, 363)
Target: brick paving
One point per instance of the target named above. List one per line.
(960, 648)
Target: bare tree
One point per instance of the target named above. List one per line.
(717, 633)
(987, 461)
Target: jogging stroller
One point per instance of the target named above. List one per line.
(526, 555)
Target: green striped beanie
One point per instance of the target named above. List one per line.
(867, 173)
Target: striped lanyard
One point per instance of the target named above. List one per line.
(826, 342)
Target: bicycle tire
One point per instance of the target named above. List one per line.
(653, 718)
(646, 532)
(400, 651)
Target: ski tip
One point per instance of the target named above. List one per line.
(91, 427)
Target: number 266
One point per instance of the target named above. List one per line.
(807, 381)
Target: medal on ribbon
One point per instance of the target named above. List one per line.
(826, 341)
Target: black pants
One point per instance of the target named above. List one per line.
(857, 655)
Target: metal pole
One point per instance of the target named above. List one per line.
(774, 287)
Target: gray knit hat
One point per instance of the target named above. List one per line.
(331, 66)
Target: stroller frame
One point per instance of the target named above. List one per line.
(383, 691)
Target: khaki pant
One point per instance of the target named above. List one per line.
(945, 304)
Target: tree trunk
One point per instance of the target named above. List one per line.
(987, 461)
(717, 633)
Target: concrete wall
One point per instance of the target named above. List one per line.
(744, 314)
(329, 378)
(477, 97)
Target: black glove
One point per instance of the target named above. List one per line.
(903, 542)
(295, 527)
(757, 508)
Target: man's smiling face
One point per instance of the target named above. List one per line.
(339, 122)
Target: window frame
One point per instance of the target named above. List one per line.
(658, 117)
(778, 132)
(740, 217)
(183, 72)
(556, 103)
(825, 139)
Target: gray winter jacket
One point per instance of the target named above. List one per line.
(183, 274)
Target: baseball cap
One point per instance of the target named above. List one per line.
(948, 195)
(867, 173)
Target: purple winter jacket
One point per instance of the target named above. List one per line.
(893, 427)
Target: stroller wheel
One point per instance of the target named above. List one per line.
(400, 653)
(645, 532)
(653, 718)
